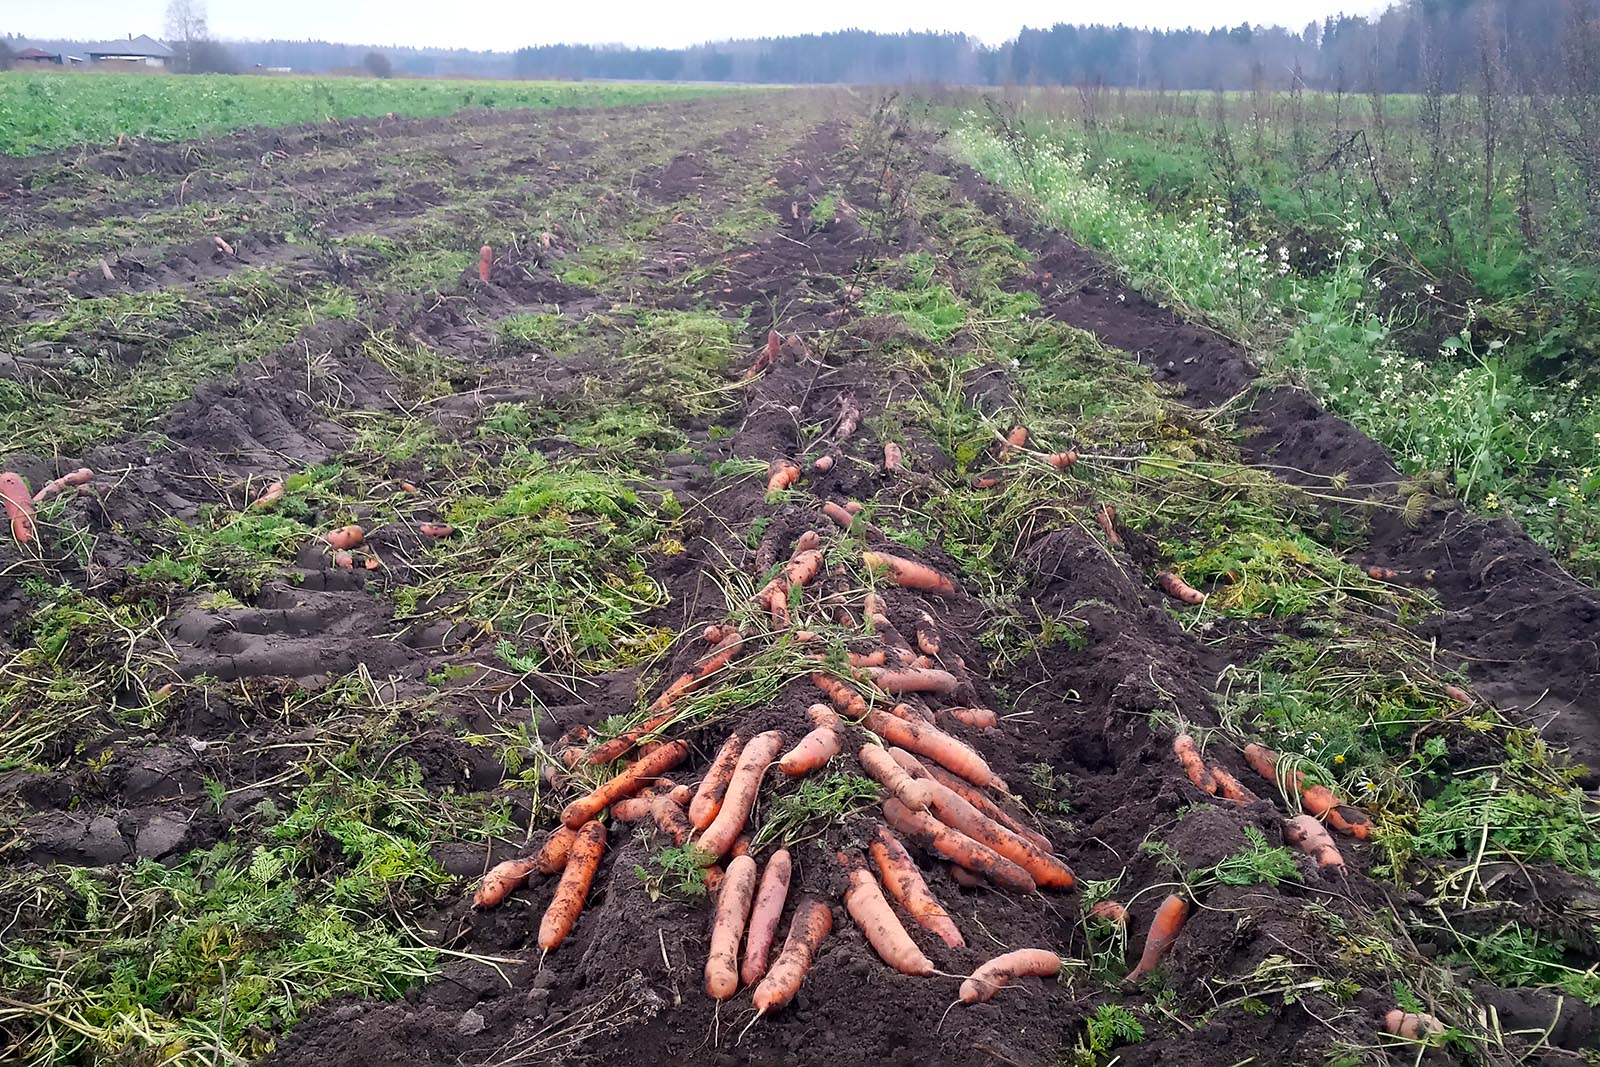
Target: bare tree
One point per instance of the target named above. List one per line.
(186, 28)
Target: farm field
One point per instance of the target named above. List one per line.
(601, 389)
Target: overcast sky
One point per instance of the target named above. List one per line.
(510, 24)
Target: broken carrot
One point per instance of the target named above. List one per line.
(1178, 589)
(626, 784)
(882, 768)
(906, 884)
(893, 456)
(1107, 518)
(435, 530)
(909, 574)
(714, 786)
(1309, 836)
(345, 537)
(1229, 787)
(573, 889)
(822, 464)
(781, 474)
(1111, 911)
(271, 495)
(764, 915)
(1411, 1025)
(1163, 932)
(817, 747)
(485, 261)
(927, 635)
(70, 480)
(990, 978)
(846, 699)
(1062, 460)
(839, 515)
(671, 818)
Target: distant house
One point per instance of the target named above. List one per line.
(36, 57)
(138, 51)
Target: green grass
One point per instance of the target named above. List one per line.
(41, 111)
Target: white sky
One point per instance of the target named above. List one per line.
(504, 25)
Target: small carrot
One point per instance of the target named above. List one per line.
(221, 245)
(435, 530)
(781, 474)
(817, 747)
(977, 718)
(929, 834)
(1062, 460)
(1309, 836)
(1163, 932)
(70, 480)
(552, 855)
(714, 786)
(822, 464)
(909, 574)
(882, 768)
(671, 818)
(1229, 787)
(345, 537)
(990, 978)
(865, 902)
(1193, 766)
(681, 795)
(812, 922)
(727, 930)
(719, 657)
(771, 894)
(1107, 518)
(986, 481)
(1017, 438)
(854, 507)
(893, 456)
(927, 635)
(741, 846)
(924, 740)
(344, 560)
(1411, 1025)
(925, 680)
(271, 495)
(905, 883)
(629, 782)
(501, 880)
(485, 261)
(19, 506)
(1380, 574)
(1111, 911)
(1178, 589)
(757, 756)
(963, 877)
(573, 889)
(839, 515)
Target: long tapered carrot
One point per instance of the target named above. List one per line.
(1229, 787)
(1319, 800)
(501, 880)
(552, 855)
(978, 799)
(812, 922)
(990, 978)
(714, 786)
(715, 841)
(727, 930)
(719, 657)
(771, 894)
(573, 889)
(865, 902)
(19, 506)
(909, 574)
(906, 884)
(932, 742)
(629, 782)
(1184, 747)
(953, 810)
(1164, 930)
(70, 480)
(931, 835)
(908, 680)
(1178, 589)
(1107, 518)
(847, 700)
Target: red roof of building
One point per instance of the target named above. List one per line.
(35, 53)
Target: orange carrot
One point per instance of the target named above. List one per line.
(733, 911)
(839, 515)
(70, 480)
(1110, 911)
(1380, 574)
(221, 245)
(905, 883)
(345, 537)
(717, 839)
(854, 507)
(764, 916)
(985, 481)
(626, 784)
(713, 876)
(882, 768)
(681, 795)
(719, 657)
(875, 658)
(781, 474)
(1107, 518)
(1062, 460)
(930, 835)
(976, 797)
(1193, 765)
(1017, 438)
(573, 889)
(632, 809)
(1178, 589)
(930, 741)
(618, 746)
(671, 818)
(844, 698)
(953, 810)
(271, 495)
(926, 680)
(990, 978)
(485, 260)
(552, 855)
(817, 747)
(19, 505)
(1163, 932)
(435, 530)
(1319, 800)
(893, 456)
(741, 846)
(714, 786)
(1411, 1025)
(500, 881)
(344, 560)
(977, 718)
(927, 635)
(822, 464)
(1263, 761)
(865, 902)
(909, 574)
(1230, 787)
(799, 571)
(1308, 835)
(812, 922)
(963, 877)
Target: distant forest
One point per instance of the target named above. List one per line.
(1415, 44)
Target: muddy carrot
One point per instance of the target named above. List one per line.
(1062, 460)
(911, 680)
(618, 746)
(632, 809)
(719, 657)
(978, 799)
(1178, 589)
(817, 747)
(714, 786)
(485, 261)
(552, 855)
(271, 495)
(781, 474)
(671, 818)
(1110, 911)
(1308, 835)
(839, 515)
(1411, 1025)
(757, 756)
(643, 771)
(932, 742)
(1163, 932)
(977, 718)
(909, 574)
(501, 880)
(812, 922)
(865, 902)
(573, 889)
(985, 481)
(882, 768)
(990, 978)
(893, 456)
(19, 505)
(963, 877)
(854, 507)
(927, 635)
(1193, 766)
(681, 795)
(435, 530)
(733, 911)
(1107, 518)
(344, 560)
(929, 834)
(1230, 787)
(905, 883)
(771, 894)
(1380, 574)
(1319, 800)
(81, 476)
(822, 464)
(844, 698)
(954, 811)
(345, 537)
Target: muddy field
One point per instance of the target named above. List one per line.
(249, 781)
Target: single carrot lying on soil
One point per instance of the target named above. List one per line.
(909, 574)
(770, 895)
(552, 855)
(435, 530)
(977, 718)
(671, 818)
(345, 537)
(1308, 835)
(781, 474)
(990, 978)
(271, 495)
(1110, 911)
(1380, 574)
(70, 480)
(911, 680)
(1017, 438)
(812, 922)
(1229, 787)
(1062, 460)
(1319, 800)
(924, 740)
(19, 505)
(865, 902)
(714, 786)
(905, 883)
(1163, 932)
(727, 930)
(501, 880)
(1411, 1025)
(1107, 518)
(485, 261)
(931, 835)
(719, 657)
(1178, 589)
(635, 778)
(893, 456)
(882, 768)
(1193, 766)
(817, 747)
(573, 889)
(839, 515)
(757, 756)
(822, 464)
